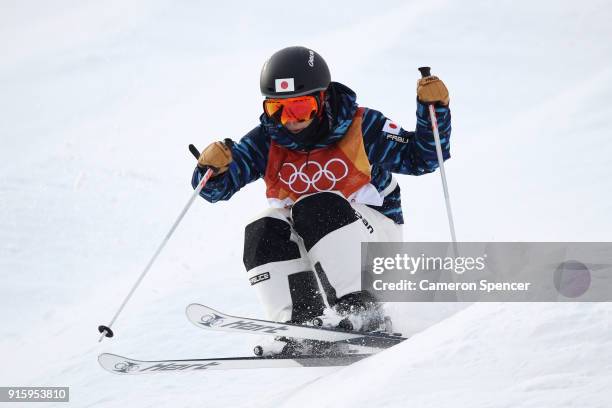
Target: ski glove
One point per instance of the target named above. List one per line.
(432, 90)
(217, 156)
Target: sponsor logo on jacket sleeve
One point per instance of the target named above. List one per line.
(398, 139)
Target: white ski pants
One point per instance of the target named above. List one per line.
(303, 259)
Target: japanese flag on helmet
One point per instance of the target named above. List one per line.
(391, 127)
(284, 85)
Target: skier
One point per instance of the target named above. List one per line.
(327, 164)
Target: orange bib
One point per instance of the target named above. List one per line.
(342, 167)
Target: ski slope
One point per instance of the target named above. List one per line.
(559, 357)
(99, 101)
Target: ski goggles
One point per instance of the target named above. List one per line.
(296, 109)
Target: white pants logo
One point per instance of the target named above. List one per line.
(323, 178)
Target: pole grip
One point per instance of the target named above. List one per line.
(194, 150)
(425, 71)
(196, 153)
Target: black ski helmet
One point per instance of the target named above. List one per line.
(294, 71)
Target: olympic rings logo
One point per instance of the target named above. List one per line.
(323, 178)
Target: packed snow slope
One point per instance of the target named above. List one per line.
(489, 355)
(99, 100)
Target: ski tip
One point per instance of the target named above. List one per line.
(203, 316)
(194, 306)
(116, 364)
(192, 309)
(197, 309)
(105, 357)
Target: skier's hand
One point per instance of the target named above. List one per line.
(432, 90)
(217, 156)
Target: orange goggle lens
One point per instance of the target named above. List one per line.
(298, 109)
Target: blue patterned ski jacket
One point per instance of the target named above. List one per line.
(412, 153)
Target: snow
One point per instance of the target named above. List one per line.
(99, 101)
(560, 357)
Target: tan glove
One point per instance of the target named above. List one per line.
(217, 156)
(431, 90)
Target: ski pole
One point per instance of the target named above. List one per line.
(106, 331)
(425, 72)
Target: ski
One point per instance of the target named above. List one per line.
(123, 365)
(210, 319)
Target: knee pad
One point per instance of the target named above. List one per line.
(283, 280)
(317, 215)
(268, 240)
